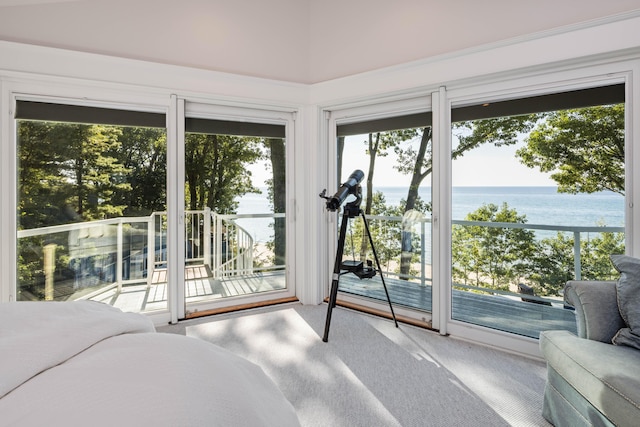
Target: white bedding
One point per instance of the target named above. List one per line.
(86, 363)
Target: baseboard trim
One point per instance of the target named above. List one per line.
(385, 314)
(240, 307)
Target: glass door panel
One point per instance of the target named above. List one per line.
(235, 203)
(91, 203)
(395, 156)
(537, 200)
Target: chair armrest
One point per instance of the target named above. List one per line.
(596, 307)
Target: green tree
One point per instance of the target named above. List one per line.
(378, 145)
(94, 171)
(419, 163)
(144, 153)
(582, 148)
(553, 264)
(277, 196)
(42, 189)
(492, 257)
(385, 234)
(216, 170)
(68, 172)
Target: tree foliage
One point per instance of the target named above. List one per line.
(378, 145)
(491, 257)
(216, 170)
(498, 131)
(582, 148)
(501, 257)
(69, 172)
(277, 196)
(554, 263)
(144, 153)
(386, 234)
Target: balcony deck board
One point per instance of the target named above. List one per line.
(501, 312)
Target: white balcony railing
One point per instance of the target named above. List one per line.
(132, 249)
(424, 231)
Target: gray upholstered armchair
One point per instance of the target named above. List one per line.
(590, 381)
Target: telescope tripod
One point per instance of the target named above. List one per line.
(352, 210)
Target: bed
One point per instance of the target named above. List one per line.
(85, 363)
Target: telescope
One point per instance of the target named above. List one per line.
(350, 186)
(341, 266)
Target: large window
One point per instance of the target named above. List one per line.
(91, 204)
(235, 200)
(394, 154)
(537, 200)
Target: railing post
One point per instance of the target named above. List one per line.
(218, 246)
(151, 250)
(422, 252)
(49, 253)
(240, 264)
(188, 219)
(577, 267)
(206, 247)
(249, 257)
(119, 244)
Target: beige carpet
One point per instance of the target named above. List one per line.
(373, 374)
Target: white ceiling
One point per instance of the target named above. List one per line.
(293, 40)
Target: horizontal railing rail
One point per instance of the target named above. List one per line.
(422, 223)
(576, 230)
(219, 242)
(98, 238)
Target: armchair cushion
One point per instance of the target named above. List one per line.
(596, 308)
(628, 296)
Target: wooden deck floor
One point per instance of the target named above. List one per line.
(199, 286)
(505, 313)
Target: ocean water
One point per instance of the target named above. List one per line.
(541, 205)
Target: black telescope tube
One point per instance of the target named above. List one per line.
(348, 187)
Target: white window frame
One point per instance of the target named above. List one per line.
(117, 96)
(513, 87)
(378, 108)
(73, 92)
(286, 117)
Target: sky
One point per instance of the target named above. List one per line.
(483, 167)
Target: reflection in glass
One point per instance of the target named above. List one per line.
(91, 202)
(537, 200)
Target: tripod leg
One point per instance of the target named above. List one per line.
(336, 276)
(375, 255)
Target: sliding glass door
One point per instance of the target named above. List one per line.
(394, 155)
(537, 200)
(236, 203)
(91, 202)
(94, 219)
